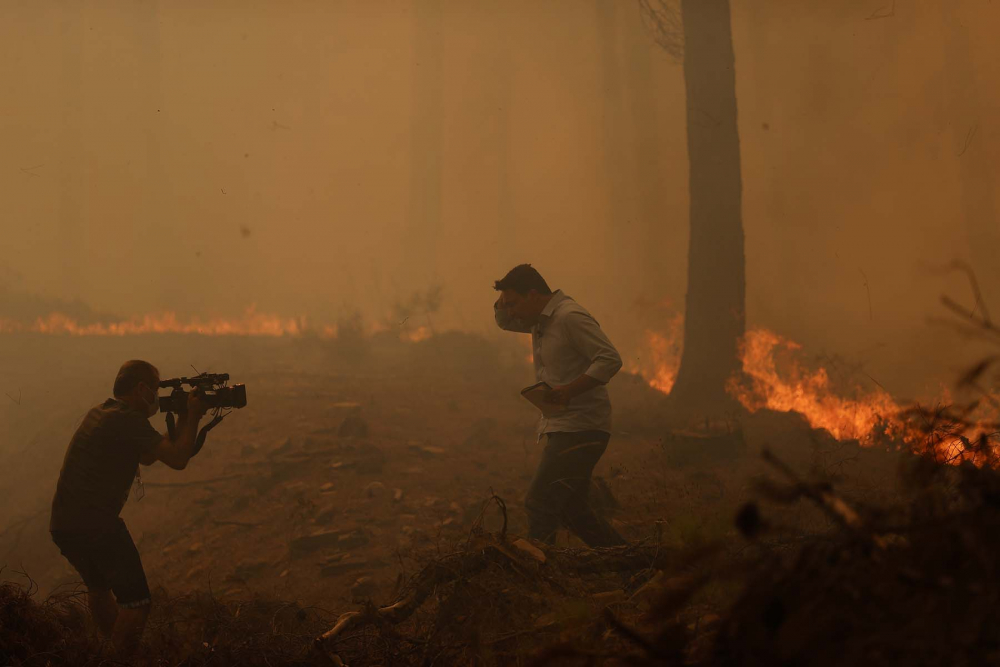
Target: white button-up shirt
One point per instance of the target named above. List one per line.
(567, 342)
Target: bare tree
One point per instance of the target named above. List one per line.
(699, 32)
(962, 106)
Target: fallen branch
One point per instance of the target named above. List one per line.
(834, 506)
(463, 565)
(442, 571)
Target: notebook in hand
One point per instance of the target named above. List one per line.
(536, 395)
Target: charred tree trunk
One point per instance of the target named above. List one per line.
(714, 311)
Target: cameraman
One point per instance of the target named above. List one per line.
(101, 462)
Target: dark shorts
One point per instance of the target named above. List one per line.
(107, 560)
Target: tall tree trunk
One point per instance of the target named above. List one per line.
(715, 317)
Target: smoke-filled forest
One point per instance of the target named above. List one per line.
(742, 254)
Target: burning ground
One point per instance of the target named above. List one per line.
(362, 461)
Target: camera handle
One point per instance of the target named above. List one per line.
(202, 434)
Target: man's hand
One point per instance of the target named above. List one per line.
(501, 304)
(563, 394)
(177, 451)
(505, 319)
(196, 405)
(560, 395)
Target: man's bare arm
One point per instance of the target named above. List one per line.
(176, 452)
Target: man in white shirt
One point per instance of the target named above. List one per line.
(573, 356)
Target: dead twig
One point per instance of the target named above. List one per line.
(968, 139)
(963, 267)
(462, 566)
(834, 506)
(869, 292)
(883, 12)
(477, 525)
(439, 572)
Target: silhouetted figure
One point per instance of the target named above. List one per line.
(101, 462)
(573, 356)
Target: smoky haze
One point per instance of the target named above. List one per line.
(320, 158)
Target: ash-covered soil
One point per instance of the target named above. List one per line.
(358, 462)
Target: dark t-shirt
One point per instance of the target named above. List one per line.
(100, 464)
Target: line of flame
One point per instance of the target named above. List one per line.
(869, 417)
(807, 392)
(251, 324)
(793, 388)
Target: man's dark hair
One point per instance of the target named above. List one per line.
(132, 373)
(522, 279)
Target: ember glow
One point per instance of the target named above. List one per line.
(416, 335)
(869, 416)
(775, 375)
(790, 387)
(807, 392)
(251, 323)
(777, 378)
(660, 356)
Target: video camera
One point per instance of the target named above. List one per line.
(215, 389)
(215, 392)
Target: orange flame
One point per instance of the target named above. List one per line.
(774, 379)
(416, 335)
(806, 392)
(661, 357)
(525, 342)
(251, 324)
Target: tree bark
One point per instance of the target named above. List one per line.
(715, 317)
